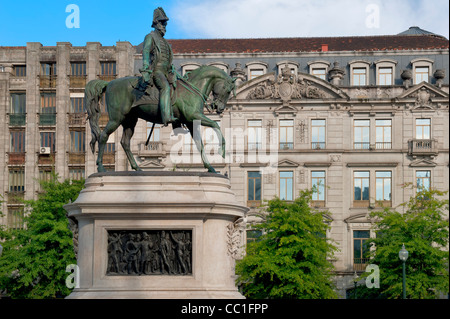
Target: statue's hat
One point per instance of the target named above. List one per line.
(159, 15)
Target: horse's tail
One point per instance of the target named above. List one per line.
(93, 94)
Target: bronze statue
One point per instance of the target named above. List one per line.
(158, 69)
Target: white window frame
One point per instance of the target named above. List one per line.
(220, 65)
(291, 65)
(313, 65)
(385, 64)
(422, 62)
(255, 66)
(359, 64)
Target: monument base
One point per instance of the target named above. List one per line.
(157, 235)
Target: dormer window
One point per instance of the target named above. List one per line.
(422, 69)
(385, 70)
(255, 69)
(189, 67)
(319, 69)
(359, 71)
(293, 66)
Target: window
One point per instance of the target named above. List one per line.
(423, 129)
(421, 74)
(48, 103)
(17, 141)
(48, 68)
(318, 184)
(156, 132)
(20, 70)
(18, 103)
(77, 141)
(189, 67)
(110, 148)
(15, 218)
(383, 132)
(361, 134)
(359, 76)
(44, 175)
(253, 235)
(76, 173)
(318, 134)
(361, 189)
(360, 249)
(321, 73)
(423, 180)
(16, 180)
(286, 185)
(254, 188)
(108, 68)
(383, 189)
(78, 68)
(209, 136)
(255, 69)
(385, 76)
(286, 134)
(77, 105)
(254, 134)
(255, 73)
(48, 140)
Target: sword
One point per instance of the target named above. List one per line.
(150, 135)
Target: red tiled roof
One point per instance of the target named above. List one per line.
(355, 43)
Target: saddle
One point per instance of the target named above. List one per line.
(148, 94)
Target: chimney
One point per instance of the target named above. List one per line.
(324, 47)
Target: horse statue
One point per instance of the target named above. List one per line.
(125, 107)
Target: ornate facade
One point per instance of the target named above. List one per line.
(359, 117)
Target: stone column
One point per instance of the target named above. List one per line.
(62, 136)
(32, 137)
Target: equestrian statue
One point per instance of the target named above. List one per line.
(160, 96)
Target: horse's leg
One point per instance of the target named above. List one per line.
(197, 137)
(128, 130)
(204, 121)
(110, 128)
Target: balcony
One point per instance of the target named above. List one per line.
(417, 147)
(360, 264)
(47, 81)
(16, 158)
(17, 119)
(46, 159)
(361, 203)
(153, 149)
(361, 145)
(16, 197)
(286, 145)
(77, 119)
(383, 145)
(109, 158)
(103, 120)
(77, 81)
(253, 203)
(77, 158)
(107, 77)
(318, 203)
(318, 145)
(47, 119)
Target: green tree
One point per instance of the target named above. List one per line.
(291, 258)
(34, 260)
(423, 228)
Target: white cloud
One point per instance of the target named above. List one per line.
(288, 18)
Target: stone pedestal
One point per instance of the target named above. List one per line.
(129, 224)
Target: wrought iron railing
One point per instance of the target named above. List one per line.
(422, 147)
(17, 119)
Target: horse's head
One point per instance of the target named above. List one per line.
(221, 92)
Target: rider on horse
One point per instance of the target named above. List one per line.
(158, 69)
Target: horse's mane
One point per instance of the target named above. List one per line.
(192, 74)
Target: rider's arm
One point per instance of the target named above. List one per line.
(146, 51)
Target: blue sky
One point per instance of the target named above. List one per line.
(108, 21)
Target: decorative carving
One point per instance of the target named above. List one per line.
(73, 226)
(406, 77)
(302, 129)
(336, 74)
(234, 234)
(423, 98)
(149, 252)
(335, 158)
(286, 87)
(439, 75)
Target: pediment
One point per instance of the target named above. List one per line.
(286, 163)
(431, 89)
(358, 218)
(422, 163)
(287, 87)
(424, 96)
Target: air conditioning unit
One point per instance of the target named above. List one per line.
(44, 150)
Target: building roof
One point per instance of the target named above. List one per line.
(354, 43)
(416, 30)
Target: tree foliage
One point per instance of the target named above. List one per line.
(424, 229)
(291, 258)
(34, 260)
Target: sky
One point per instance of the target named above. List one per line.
(109, 21)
